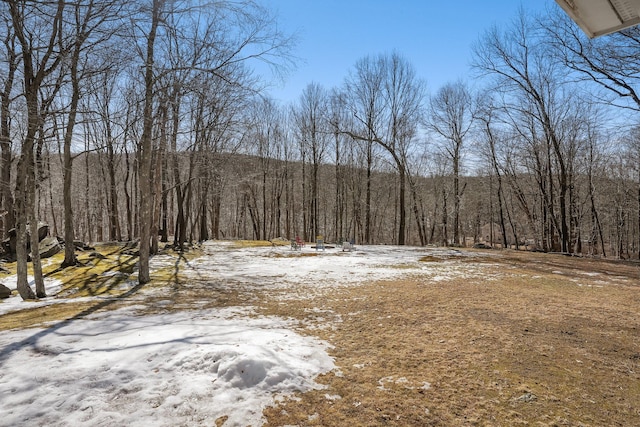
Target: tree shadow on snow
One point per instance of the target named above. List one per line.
(33, 339)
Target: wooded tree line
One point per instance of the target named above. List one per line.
(146, 120)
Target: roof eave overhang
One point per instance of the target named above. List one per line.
(598, 17)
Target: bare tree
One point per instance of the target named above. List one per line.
(404, 95)
(593, 169)
(146, 201)
(391, 122)
(522, 70)
(451, 116)
(108, 120)
(89, 17)
(416, 169)
(313, 133)
(364, 98)
(12, 61)
(631, 151)
(201, 42)
(38, 30)
(611, 62)
(338, 118)
(486, 116)
(266, 129)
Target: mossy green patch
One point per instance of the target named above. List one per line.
(97, 273)
(100, 272)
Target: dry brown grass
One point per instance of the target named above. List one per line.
(260, 243)
(293, 254)
(535, 340)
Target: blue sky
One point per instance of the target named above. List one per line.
(434, 35)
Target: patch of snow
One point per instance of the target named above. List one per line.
(589, 273)
(16, 303)
(302, 273)
(187, 368)
(385, 380)
(296, 275)
(404, 382)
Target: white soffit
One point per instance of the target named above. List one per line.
(599, 17)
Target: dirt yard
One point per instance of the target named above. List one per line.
(529, 339)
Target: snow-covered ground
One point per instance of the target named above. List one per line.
(186, 368)
(189, 367)
(279, 267)
(15, 303)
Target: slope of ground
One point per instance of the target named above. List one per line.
(417, 336)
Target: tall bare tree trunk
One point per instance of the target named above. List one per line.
(422, 235)
(87, 187)
(146, 198)
(158, 176)
(23, 287)
(402, 208)
(115, 231)
(367, 205)
(12, 60)
(445, 216)
(69, 235)
(456, 198)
